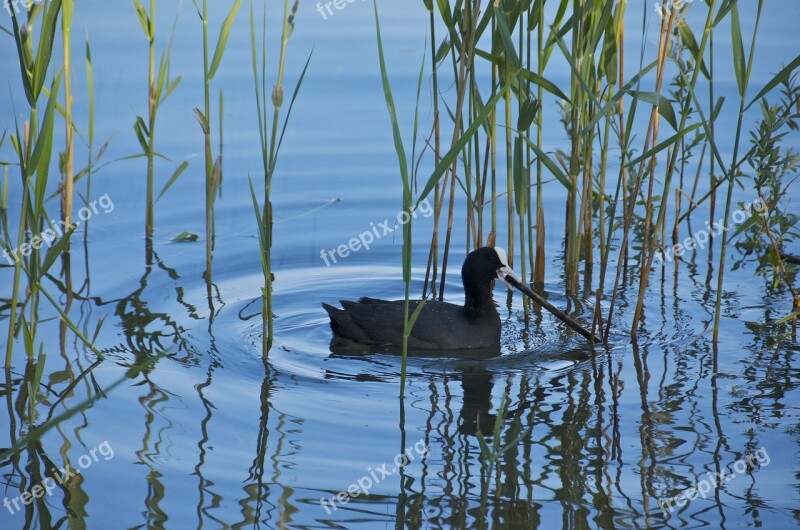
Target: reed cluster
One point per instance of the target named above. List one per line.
(498, 159)
(47, 72)
(623, 189)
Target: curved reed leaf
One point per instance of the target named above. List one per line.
(663, 145)
(288, 114)
(54, 252)
(657, 100)
(691, 43)
(40, 158)
(505, 38)
(613, 104)
(552, 166)
(779, 78)
(144, 20)
(447, 160)
(45, 50)
(224, 32)
(738, 50)
(173, 178)
(545, 84)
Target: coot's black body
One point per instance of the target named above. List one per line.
(440, 325)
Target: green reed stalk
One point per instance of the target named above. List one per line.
(539, 262)
(67, 185)
(90, 136)
(33, 146)
(521, 173)
(601, 227)
(493, 133)
(467, 161)
(209, 167)
(472, 164)
(509, 170)
(528, 183)
(742, 72)
(585, 215)
(408, 319)
(711, 166)
(433, 256)
(213, 169)
(67, 11)
(151, 114)
(159, 87)
(571, 256)
(270, 143)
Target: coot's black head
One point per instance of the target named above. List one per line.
(480, 268)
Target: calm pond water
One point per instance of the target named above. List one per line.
(212, 436)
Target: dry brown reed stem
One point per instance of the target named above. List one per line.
(663, 50)
(647, 249)
(649, 246)
(467, 48)
(631, 199)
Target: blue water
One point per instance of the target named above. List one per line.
(211, 435)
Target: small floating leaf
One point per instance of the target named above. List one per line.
(185, 237)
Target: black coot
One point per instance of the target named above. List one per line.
(440, 325)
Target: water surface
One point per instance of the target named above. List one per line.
(212, 435)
